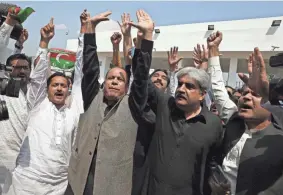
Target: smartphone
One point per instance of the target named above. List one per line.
(276, 61)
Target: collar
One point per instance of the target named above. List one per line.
(177, 112)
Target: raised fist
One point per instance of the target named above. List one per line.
(214, 39)
(116, 38)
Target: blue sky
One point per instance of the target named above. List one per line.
(163, 13)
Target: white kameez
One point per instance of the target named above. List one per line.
(42, 165)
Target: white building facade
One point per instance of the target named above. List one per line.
(239, 39)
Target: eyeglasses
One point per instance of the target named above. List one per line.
(20, 67)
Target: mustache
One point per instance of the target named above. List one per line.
(182, 95)
(158, 81)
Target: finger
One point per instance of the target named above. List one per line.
(177, 49)
(198, 48)
(128, 18)
(143, 14)
(243, 77)
(119, 24)
(203, 48)
(195, 50)
(85, 11)
(104, 19)
(106, 14)
(174, 50)
(179, 59)
(260, 58)
(123, 18)
(171, 51)
(134, 25)
(219, 34)
(139, 15)
(51, 22)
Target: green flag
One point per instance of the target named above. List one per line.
(24, 14)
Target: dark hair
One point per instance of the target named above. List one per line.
(162, 70)
(57, 74)
(20, 56)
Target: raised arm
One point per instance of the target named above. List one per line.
(38, 77)
(173, 60)
(91, 71)
(127, 46)
(225, 106)
(5, 31)
(143, 92)
(115, 40)
(78, 74)
(19, 45)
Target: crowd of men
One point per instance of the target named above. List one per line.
(172, 132)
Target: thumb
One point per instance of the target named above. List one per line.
(119, 24)
(179, 59)
(243, 77)
(104, 19)
(134, 25)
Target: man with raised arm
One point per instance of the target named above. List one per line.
(185, 134)
(102, 157)
(42, 165)
(250, 155)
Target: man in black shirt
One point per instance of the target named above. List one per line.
(185, 135)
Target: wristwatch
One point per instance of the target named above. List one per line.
(18, 46)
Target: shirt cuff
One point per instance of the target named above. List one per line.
(214, 61)
(146, 46)
(7, 27)
(42, 52)
(81, 39)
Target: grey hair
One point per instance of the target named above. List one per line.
(199, 75)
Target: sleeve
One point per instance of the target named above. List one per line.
(143, 92)
(173, 84)
(5, 32)
(225, 106)
(130, 76)
(38, 80)
(78, 74)
(276, 188)
(91, 72)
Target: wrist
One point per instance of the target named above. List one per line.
(127, 35)
(10, 22)
(116, 48)
(148, 36)
(213, 51)
(43, 43)
(83, 29)
(18, 45)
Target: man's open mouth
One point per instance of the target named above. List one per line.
(59, 94)
(245, 107)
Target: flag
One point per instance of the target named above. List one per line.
(24, 14)
(62, 59)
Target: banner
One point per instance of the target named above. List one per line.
(62, 60)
